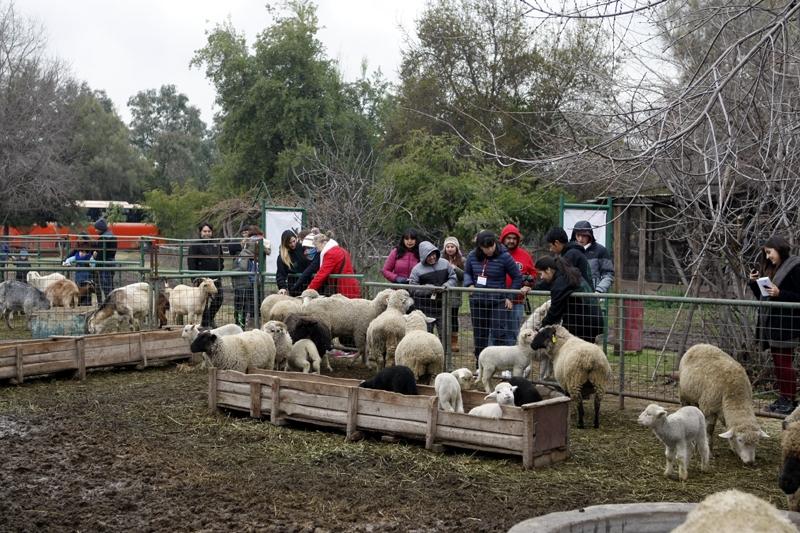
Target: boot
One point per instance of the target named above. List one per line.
(454, 343)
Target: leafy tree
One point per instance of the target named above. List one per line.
(170, 133)
(177, 213)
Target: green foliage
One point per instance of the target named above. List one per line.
(114, 213)
(177, 213)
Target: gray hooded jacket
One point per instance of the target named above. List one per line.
(598, 257)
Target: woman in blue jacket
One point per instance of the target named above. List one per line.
(486, 267)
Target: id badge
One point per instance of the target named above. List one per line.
(481, 281)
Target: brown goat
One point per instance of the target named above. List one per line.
(162, 306)
(62, 293)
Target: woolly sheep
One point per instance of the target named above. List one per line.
(419, 350)
(302, 326)
(448, 390)
(580, 367)
(269, 301)
(534, 322)
(191, 331)
(713, 381)
(734, 510)
(514, 358)
(283, 342)
(789, 477)
(398, 379)
(304, 356)
(347, 317)
(465, 378)
(387, 329)
(679, 432)
(794, 416)
(525, 391)
(254, 348)
(503, 396)
(284, 308)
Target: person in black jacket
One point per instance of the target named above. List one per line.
(431, 271)
(571, 251)
(206, 256)
(312, 258)
(291, 263)
(779, 328)
(106, 247)
(581, 316)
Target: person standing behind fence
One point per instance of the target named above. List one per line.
(312, 256)
(83, 258)
(206, 256)
(597, 256)
(403, 258)
(452, 253)
(779, 329)
(486, 267)
(23, 264)
(435, 271)
(581, 316)
(243, 286)
(106, 254)
(573, 252)
(511, 239)
(291, 263)
(333, 259)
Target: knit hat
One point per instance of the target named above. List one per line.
(451, 240)
(100, 225)
(308, 241)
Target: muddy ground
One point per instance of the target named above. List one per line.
(137, 450)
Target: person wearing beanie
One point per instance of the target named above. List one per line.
(597, 255)
(511, 239)
(106, 254)
(433, 271)
(291, 263)
(486, 267)
(402, 258)
(205, 255)
(451, 249)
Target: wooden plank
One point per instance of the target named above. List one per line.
(255, 400)
(394, 398)
(80, 356)
(552, 427)
(316, 388)
(46, 347)
(352, 410)
(274, 414)
(430, 430)
(528, 436)
(490, 449)
(304, 413)
(233, 401)
(37, 369)
(241, 377)
(463, 420)
(212, 390)
(18, 356)
(142, 353)
(416, 413)
(234, 388)
(473, 438)
(47, 357)
(550, 458)
(390, 425)
(299, 376)
(311, 400)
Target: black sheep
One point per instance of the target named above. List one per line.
(302, 326)
(525, 392)
(393, 379)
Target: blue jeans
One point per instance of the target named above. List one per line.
(489, 319)
(512, 321)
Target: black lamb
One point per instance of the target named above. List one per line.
(301, 326)
(393, 379)
(525, 392)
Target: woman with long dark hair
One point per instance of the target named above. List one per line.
(403, 258)
(778, 328)
(205, 255)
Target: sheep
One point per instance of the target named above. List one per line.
(448, 390)
(679, 432)
(734, 510)
(301, 326)
(534, 322)
(283, 342)
(347, 317)
(63, 293)
(465, 378)
(713, 381)
(419, 350)
(191, 331)
(580, 367)
(130, 304)
(525, 391)
(794, 416)
(254, 348)
(35, 279)
(18, 296)
(503, 396)
(386, 330)
(189, 301)
(269, 301)
(789, 478)
(284, 308)
(304, 356)
(514, 358)
(393, 379)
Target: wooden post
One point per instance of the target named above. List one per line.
(528, 437)
(18, 355)
(80, 356)
(255, 399)
(142, 353)
(212, 390)
(433, 417)
(274, 415)
(352, 412)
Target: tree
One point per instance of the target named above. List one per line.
(170, 133)
(178, 213)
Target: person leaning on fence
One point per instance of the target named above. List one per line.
(431, 271)
(486, 267)
(83, 257)
(778, 328)
(333, 259)
(600, 262)
(106, 254)
(511, 238)
(573, 252)
(403, 258)
(243, 286)
(451, 251)
(206, 256)
(581, 316)
(291, 263)
(312, 256)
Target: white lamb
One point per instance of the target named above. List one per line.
(270, 301)
(679, 432)
(502, 396)
(304, 356)
(283, 342)
(514, 358)
(254, 348)
(465, 378)
(734, 510)
(387, 329)
(284, 308)
(419, 350)
(716, 383)
(191, 331)
(580, 367)
(448, 390)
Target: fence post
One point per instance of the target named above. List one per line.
(447, 313)
(621, 352)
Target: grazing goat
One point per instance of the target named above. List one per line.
(130, 304)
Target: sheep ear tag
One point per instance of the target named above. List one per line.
(554, 339)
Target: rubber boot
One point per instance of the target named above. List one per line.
(454, 343)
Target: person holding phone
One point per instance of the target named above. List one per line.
(779, 328)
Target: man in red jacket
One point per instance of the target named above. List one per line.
(511, 238)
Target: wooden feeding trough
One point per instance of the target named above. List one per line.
(22, 359)
(539, 432)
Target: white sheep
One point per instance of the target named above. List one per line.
(284, 308)
(283, 342)
(387, 329)
(734, 510)
(419, 350)
(304, 356)
(191, 331)
(448, 390)
(713, 381)
(465, 378)
(789, 477)
(580, 367)
(270, 300)
(502, 396)
(189, 301)
(514, 358)
(42, 282)
(679, 432)
(534, 322)
(254, 348)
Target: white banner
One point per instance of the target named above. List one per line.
(276, 221)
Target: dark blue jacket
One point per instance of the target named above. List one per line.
(494, 269)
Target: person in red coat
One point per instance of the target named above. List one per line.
(334, 260)
(511, 239)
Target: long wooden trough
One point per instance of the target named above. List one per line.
(538, 432)
(37, 357)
